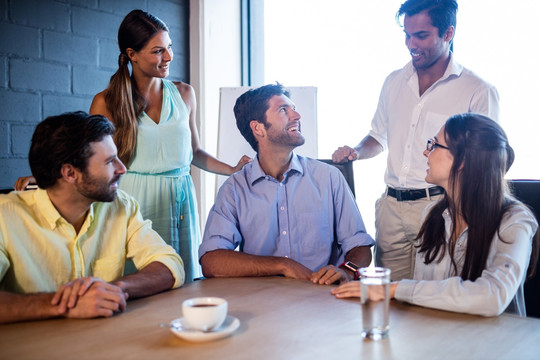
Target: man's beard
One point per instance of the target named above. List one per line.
(97, 190)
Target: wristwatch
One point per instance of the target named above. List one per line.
(349, 265)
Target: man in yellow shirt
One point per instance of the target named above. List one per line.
(63, 246)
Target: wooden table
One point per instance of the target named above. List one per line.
(280, 319)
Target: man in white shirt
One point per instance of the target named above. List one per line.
(414, 103)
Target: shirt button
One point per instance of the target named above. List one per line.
(282, 208)
(284, 233)
(280, 184)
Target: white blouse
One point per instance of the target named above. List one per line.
(500, 286)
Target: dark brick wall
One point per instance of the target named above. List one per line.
(56, 55)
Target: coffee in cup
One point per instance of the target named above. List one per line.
(205, 313)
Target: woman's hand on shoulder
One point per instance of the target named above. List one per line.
(23, 182)
(243, 161)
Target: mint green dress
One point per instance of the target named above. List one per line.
(159, 178)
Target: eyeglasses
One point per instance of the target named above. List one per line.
(431, 144)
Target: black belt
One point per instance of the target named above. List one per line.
(415, 194)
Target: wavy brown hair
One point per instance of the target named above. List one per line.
(482, 156)
(123, 99)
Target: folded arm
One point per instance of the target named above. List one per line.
(152, 279)
(17, 307)
(99, 299)
(230, 263)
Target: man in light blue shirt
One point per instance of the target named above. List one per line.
(289, 215)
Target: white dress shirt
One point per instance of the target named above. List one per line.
(404, 120)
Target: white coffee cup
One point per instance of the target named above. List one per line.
(204, 313)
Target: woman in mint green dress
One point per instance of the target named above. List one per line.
(157, 136)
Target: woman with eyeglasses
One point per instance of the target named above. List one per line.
(475, 244)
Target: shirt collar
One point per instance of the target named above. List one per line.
(448, 225)
(255, 172)
(46, 208)
(453, 69)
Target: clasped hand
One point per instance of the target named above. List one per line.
(89, 297)
(326, 275)
(329, 274)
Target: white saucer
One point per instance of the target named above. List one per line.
(180, 329)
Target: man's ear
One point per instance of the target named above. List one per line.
(449, 33)
(70, 173)
(258, 128)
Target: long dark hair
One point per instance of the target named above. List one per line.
(123, 99)
(482, 156)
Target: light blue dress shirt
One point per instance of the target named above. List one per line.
(311, 216)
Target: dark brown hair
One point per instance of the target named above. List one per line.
(482, 156)
(252, 105)
(65, 139)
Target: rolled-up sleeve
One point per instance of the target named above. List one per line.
(145, 246)
(221, 231)
(379, 124)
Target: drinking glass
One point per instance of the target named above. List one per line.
(375, 281)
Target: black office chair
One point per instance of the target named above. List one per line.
(347, 171)
(528, 191)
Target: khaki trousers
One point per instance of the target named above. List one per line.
(397, 223)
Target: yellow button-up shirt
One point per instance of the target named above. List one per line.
(40, 250)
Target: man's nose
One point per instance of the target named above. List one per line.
(410, 43)
(120, 167)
